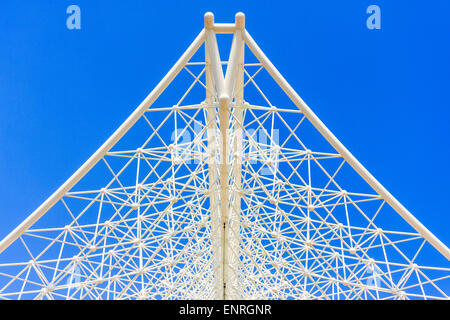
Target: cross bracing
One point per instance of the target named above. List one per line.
(212, 190)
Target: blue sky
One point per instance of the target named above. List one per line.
(382, 92)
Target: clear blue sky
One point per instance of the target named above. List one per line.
(384, 93)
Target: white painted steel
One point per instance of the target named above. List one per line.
(80, 173)
(279, 234)
(320, 126)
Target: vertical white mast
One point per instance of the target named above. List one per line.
(226, 250)
(216, 227)
(233, 232)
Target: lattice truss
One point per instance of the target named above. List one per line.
(147, 221)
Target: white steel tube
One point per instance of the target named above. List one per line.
(224, 28)
(233, 63)
(354, 163)
(214, 56)
(216, 225)
(224, 109)
(234, 78)
(233, 285)
(129, 122)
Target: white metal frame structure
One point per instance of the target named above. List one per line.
(229, 198)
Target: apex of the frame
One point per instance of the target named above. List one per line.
(240, 21)
(209, 20)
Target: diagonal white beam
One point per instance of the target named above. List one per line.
(233, 63)
(215, 63)
(354, 163)
(129, 122)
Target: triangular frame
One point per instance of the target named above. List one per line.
(225, 88)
